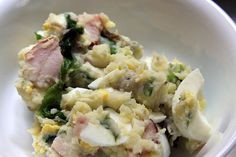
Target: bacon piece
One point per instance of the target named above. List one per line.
(81, 123)
(92, 24)
(151, 131)
(60, 146)
(43, 62)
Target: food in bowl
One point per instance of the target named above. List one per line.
(93, 95)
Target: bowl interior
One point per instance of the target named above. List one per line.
(192, 31)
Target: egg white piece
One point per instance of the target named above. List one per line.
(42, 33)
(75, 91)
(97, 135)
(79, 90)
(165, 145)
(199, 128)
(148, 61)
(157, 117)
(95, 84)
(122, 126)
(102, 80)
(57, 19)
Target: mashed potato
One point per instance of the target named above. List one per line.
(93, 95)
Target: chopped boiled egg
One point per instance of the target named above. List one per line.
(59, 20)
(186, 110)
(101, 82)
(124, 127)
(111, 132)
(97, 135)
(79, 90)
(157, 117)
(165, 145)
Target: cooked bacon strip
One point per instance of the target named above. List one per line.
(81, 123)
(151, 131)
(92, 24)
(60, 146)
(43, 62)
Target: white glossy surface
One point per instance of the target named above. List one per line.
(191, 30)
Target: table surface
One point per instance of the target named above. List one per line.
(229, 6)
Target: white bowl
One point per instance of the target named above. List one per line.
(197, 32)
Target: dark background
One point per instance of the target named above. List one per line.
(229, 6)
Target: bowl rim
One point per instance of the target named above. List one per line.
(228, 147)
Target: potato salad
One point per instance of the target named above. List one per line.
(93, 95)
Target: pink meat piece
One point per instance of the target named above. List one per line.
(60, 146)
(43, 62)
(151, 131)
(64, 146)
(80, 124)
(92, 24)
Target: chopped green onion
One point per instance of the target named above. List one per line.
(177, 68)
(171, 77)
(113, 49)
(189, 118)
(112, 44)
(110, 124)
(148, 88)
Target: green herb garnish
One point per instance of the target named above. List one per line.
(49, 138)
(53, 94)
(70, 23)
(113, 49)
(112, 44)
(69, 41)
(177, 68)
(148, 88)
(173, 69)
(60, 118)
(68, 66)
(51, 100)
(38, 36)
(171, 77)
